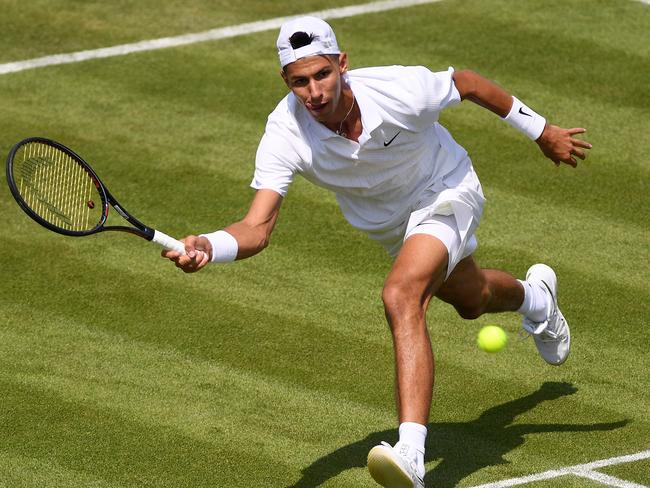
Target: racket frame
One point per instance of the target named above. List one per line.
(107, 199)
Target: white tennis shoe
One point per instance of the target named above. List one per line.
(394, 468)
(552, 336)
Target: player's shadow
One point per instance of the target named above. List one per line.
(461, 447)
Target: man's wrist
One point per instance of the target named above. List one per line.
(525, 119)
(224, 246)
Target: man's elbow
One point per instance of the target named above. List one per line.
(263, 238)
(264, 242)
(466, 82)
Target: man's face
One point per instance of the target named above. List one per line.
(316, 82)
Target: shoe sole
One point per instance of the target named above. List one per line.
(385, 470)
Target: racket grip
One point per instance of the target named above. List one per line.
(168, 242)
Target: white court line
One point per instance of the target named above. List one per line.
(607, 479)
(210, 35)
(583, 470)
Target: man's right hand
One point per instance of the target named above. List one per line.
(198, 253)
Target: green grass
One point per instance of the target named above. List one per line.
(118, 370)
(43, 27)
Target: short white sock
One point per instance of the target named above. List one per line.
(415, 436)
(535, 303)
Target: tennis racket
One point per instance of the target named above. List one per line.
(60, 191)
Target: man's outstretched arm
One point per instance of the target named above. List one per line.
(557, 144)
(240, 240)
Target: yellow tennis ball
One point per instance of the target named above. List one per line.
(492, 338)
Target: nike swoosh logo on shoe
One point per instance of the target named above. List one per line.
(549, 288)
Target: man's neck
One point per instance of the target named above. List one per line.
(348, 116)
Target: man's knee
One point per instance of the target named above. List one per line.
(399, 299)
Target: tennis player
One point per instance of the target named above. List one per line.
(372, 137)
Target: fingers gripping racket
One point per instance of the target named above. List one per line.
(60, 191)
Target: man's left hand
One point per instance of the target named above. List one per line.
(560, 146)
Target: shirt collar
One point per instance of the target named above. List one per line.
(370, 116)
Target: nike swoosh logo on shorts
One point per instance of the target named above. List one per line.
(386, 144)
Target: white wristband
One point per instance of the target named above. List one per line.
(523, 118)
(224, 246)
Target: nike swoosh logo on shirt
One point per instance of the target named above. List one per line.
(524, 113)
(386, 144)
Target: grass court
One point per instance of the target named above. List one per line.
(117, 370)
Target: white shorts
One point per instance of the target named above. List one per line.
(445, 228)
(451, 215)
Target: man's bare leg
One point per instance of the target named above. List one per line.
(474, 291)
(417, 275)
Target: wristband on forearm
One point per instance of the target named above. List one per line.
(224, 246)
(524, 119)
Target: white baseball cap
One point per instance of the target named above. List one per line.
(323, 39)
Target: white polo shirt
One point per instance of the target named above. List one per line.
(402, 153)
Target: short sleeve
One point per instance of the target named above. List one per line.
(441, 87)
(433, 91)
(272, 171)
(279, 154)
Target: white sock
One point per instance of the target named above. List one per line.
(535, 304)
(414, 435)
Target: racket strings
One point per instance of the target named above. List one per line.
(57, 188)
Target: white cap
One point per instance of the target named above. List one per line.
(323, 42)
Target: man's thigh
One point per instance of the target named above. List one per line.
(419, 269)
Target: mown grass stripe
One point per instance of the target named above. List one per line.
(210, 35)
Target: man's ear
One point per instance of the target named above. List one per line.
(284, 78)
(343, 63)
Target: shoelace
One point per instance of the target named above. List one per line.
(551, 336)
(542, 330)
(404, 453)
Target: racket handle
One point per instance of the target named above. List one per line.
(168, 242)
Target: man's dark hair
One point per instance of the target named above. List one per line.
(301, 39)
